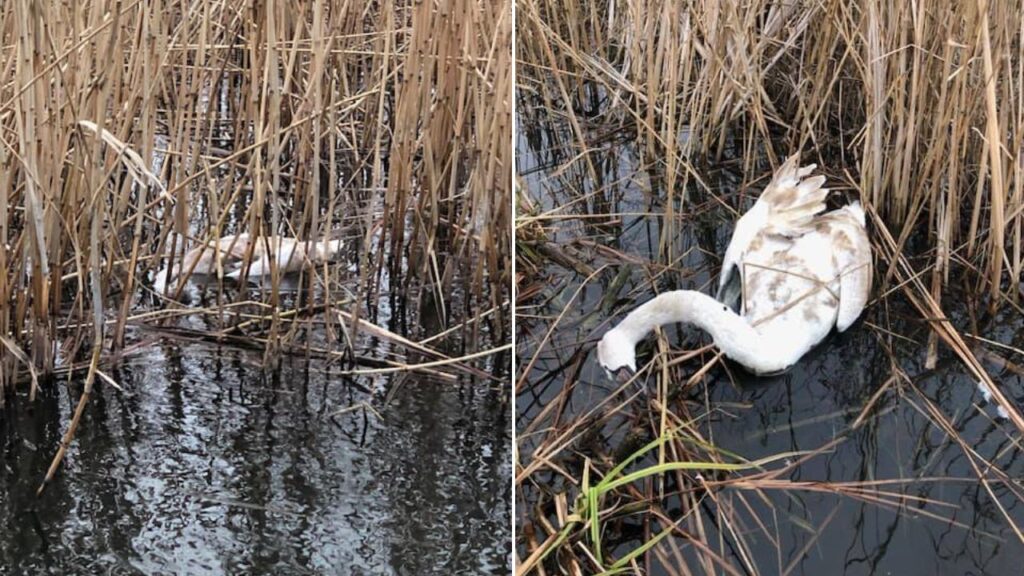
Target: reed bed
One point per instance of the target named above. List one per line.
(921, 102)
(133, 131)
(648, 127)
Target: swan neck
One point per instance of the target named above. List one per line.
(685, 306)
(731, 332)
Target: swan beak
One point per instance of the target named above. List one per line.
(621, 375)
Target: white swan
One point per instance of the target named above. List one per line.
(795, 271)
(290, 254)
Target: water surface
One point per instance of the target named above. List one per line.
(939, 519)
(208, 464)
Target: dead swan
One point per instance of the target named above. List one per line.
(291, 255)
(795, 271)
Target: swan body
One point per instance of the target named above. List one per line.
(793, 270)
(290, 254)
(228, 254)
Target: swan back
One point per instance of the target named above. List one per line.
(788, 291)
(787, 207)
(290, 254)
(229, 253)
(799, 287)
(228, 250)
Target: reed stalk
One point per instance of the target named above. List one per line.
(921, 100)
(134, 130)
(647, 125)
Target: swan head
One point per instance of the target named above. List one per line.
(617, 354)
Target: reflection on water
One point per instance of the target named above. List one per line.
(926, 512)
(204, 465)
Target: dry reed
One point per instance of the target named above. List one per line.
(131, 131)
(921, 101)
(913, 107)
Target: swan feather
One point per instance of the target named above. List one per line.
(787, 207)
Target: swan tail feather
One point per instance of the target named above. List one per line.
(794, 198)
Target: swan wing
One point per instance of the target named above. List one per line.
(787, 207)
(233, 247)
(747, 228)
(852, 252)
(229, 249)
(289, 256)
(292, 255)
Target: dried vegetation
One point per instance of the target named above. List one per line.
(132, 131)
(914, 107)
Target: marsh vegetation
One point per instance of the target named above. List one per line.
(136, 131)
(647, 128)
(133, 132)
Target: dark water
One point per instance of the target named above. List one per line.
(943, 520)
(206, 464)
